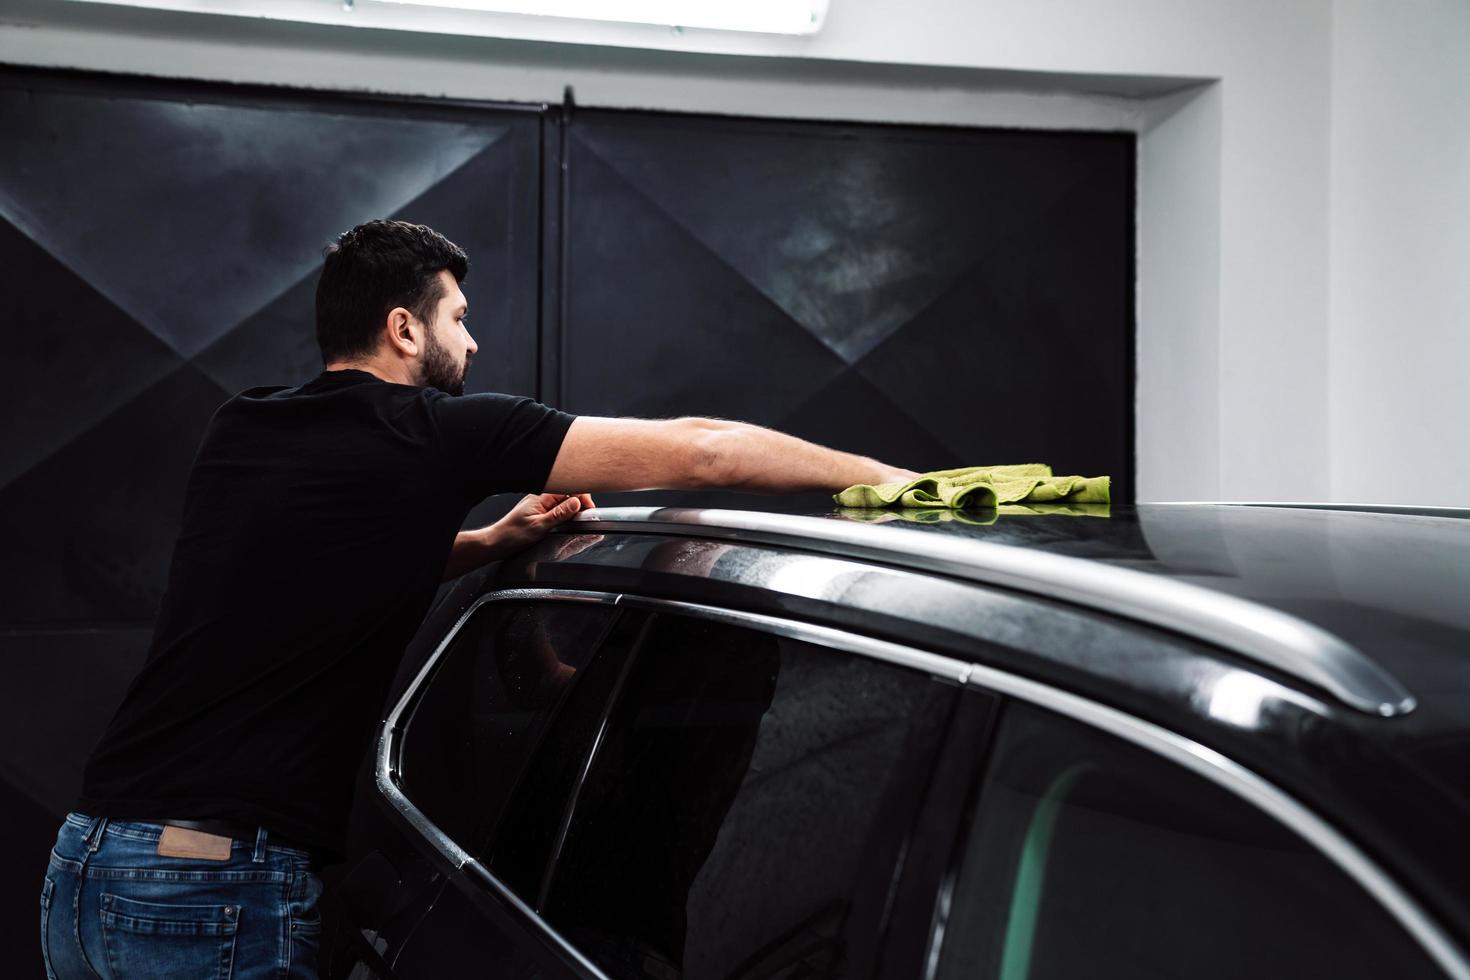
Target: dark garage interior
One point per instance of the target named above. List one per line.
(930, 296)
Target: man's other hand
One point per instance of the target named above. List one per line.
(528, 522)
(536, 514)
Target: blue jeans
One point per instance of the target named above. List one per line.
(111, 908)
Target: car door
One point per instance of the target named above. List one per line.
(703, 793)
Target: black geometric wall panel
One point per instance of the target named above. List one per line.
(196, 214)
(161, 245)
(168, 249)
(931, 297)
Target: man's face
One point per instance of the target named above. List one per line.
(448, 346)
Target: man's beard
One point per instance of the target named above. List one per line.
(440, 370)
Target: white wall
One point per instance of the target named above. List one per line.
(1400, 340)
(1233, 195)
(1178, 349)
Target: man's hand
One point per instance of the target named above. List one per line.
(537, 513)
(528, 522)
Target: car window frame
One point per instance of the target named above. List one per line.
(461, 867)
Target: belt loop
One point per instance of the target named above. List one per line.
(93, 836)
(259, 855)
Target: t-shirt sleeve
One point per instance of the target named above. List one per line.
(499, 443)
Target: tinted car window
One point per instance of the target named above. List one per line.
(491, 698)
(533, 819)
(1093, 857)
(744, 806)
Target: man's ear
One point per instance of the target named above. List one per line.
(404, 333)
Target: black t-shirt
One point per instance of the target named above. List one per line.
(317, 523)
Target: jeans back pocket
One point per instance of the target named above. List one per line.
(145, 939)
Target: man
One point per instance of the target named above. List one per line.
(318, 522)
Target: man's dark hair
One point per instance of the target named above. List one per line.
(371, 269)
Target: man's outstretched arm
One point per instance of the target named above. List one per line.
(704, 454)
(669, 454)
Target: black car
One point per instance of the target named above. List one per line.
(1177, 740)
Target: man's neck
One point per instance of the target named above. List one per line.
(393, 373)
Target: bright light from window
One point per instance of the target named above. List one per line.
(761, 16)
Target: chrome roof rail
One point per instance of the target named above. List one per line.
(1268, 636)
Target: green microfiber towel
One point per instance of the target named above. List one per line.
(979, 487)
(1064, 508)
(942, 515)
(917, 515)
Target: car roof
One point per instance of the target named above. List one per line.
(1388, 585)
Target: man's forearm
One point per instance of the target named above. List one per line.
(760, 460)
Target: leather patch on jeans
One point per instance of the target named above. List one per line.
(180, 842)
